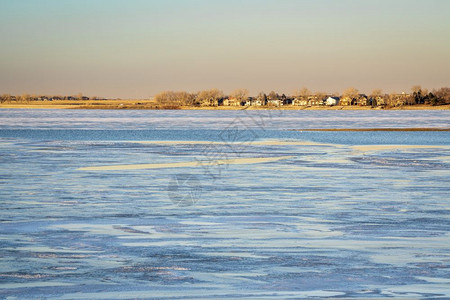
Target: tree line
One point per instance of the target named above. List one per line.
(240, 97)
(26, 98)
(350, 96)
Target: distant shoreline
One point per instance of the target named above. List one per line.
(150, 105)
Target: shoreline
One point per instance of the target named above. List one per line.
(150, 105)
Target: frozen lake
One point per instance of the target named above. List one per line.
(215, 204)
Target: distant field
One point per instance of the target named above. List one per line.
(88, 104)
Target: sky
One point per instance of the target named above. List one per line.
(137, 48)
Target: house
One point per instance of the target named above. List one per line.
(231, 102)
(314, 101)
(209, 102)
(262, 99)
(398, 99)
(346, 100)
(362, 100)
(303, 102)
(300, 101)
(275, 102)
(284, 100)
(288, 101)
(331, 101)
(378, 101)
(256, 102)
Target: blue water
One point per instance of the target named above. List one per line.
(332, 219)
(346, 137)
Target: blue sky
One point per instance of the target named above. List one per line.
(136, 48)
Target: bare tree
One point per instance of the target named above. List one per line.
(262, 97)
(303, 92)
(165, 97)
(174, 98)
(376, 93)
(376, 96)
(273, 96)
(320, 95)
(239, 94)
(185, 98)
(209, 97)
(5, 98)
(442, 95)
(25, 98)
(352, 93)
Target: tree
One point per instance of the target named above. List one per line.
(376, 96)
(240, 94)
(442, 95)
(5, 98)
(418, 94)
(185, 98)
(209, 97)
(174, 98)
(416, 89)
(25, 98)
(320, 95)
(165, 98)
(432, 99)
(272, 96)
(262, 97)
(352, 93)
(304, 92)
(390, 99)
(376, 93)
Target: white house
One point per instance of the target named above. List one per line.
(256, 102)
(332, 101)
(274, 102)
(231, 102)
(300, 101)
